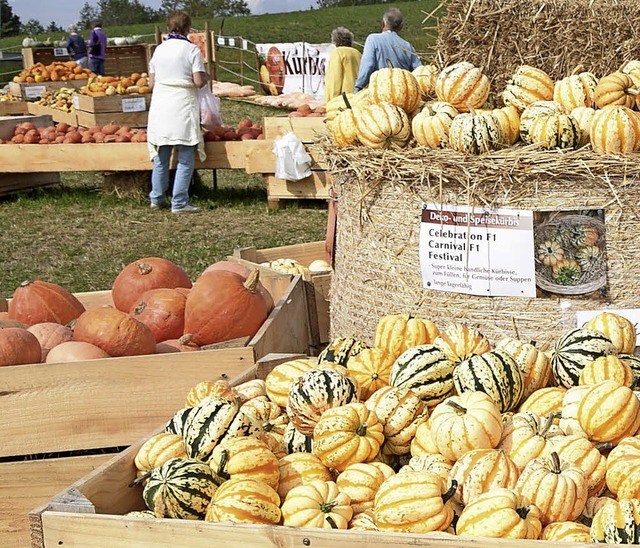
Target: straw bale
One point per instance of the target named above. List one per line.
(553, 35)
(380, 195)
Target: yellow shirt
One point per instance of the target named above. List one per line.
(342, 69)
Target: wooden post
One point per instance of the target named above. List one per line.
(211, 36)
(158, 35)
(241, 66)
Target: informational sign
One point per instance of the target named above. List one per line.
(477, 251)
(295, 67)
(60, 52)
(76, 102)
(33, 92)
(631, 314)
(134, 104)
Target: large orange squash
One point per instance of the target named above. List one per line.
(50, 334)
(75, 351)
(222, 306)
(37, 302)
(18, 347)
(162, 311)
(117, 333)
(142, 275)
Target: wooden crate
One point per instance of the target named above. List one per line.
(20, 181)
(308, 129)
(124, 110)
(34, 91)
(317, 290)
(56, 114)
(114, 156)
(52, 412)
(119, 60)
(12, 108)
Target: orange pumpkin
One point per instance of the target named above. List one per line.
(50, 334)
(117, 333)
(162, 311)
(37, 302)
(75, 351)
(142, 275)
(181, 344)
(222, 306)
(18, 347)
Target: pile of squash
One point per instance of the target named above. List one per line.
(59, 99)
(99, 86)
(156, 309)
(62, 71)
(449, 108)
(428, 431)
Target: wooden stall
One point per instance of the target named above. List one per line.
(123, 110)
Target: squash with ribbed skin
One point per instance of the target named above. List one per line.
(426, 76)
(623, 469)
(581, 452)
(317, 504)
(462, 85)
(481, 470)
(617, 523)
(575, 90)
(431, 125)
(462, 423)
(383, 125)
(244, 458)
(180, 489)
(396, 333)
(494, 372)
(575, 349)
(422, 443)
(360, 481)
(220, 388)
(347, 435)
(395, 86)
(36, 302)
(426, 371)
(526, 436)
(343, 128)
(269, 415)
(555, 131)
(569, 423)
(619, 329)
(532, 363)
(591, 508)
(280, 379)
(429, 462)
(249, 390)
(162, 311)
(459, 342)
(534, 111)
(609, 412)
(245, 500)
(298, 469)
(370, 369)
(177, 423)
(544, 401)
(294, 441)
(584, 117)
(509, 120)
(212, 421)
(557, 487)
(606, 368)
(566, 531)
(615, 130)
(364, 521)
(615, 89)
(475, 133)
(341, 350)
(316, 391)
(50, 335)
(500, 513)
(413, 502)
(400, 411)
(527, 85)
(157, 450)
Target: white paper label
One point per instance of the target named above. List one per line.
(632, 314)
(76, 102)
(34, 91)
(60, 52)
(134, 104)
(232, 42)
(477, 251)
(245, 44)
(220, 41)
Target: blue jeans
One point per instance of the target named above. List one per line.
(97, 66)
(160, 175)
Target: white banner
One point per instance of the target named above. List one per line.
(295, 67)
(477, 251)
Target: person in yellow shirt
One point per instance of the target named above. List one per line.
(343, 64)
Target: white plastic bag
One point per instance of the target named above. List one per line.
(292, 161)
(209, 108)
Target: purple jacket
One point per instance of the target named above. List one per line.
(97, 36)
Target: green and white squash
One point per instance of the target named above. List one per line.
(527, 85)
(296, 442)
(617, 523)
(176, 424)
(316, 391)
(534, 111)
(574, 350)
(180, 489)
(213, 420)
(475, 132)
(425, 370)
(496, 374)
(555, 131)
(533, 363)
(340, 350)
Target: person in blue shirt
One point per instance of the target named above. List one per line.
(384, 47)
(76, 47)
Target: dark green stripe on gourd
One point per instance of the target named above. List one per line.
(213, 420)
(426, 371)
(180, 489)
(340, 350)
(295, 441)
(605, 527)
(576, 349)
(176, 424)
(496, 374)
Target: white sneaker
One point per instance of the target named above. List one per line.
(186, 209)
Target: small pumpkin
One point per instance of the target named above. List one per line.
(623, 469)
(298, 469)
(462, 85)
(18, 347)
(475, 132)
(430, 462)
(430, 127)
(459, 342)
(606, 368)
(383, 125)
(49, 335)
(343, 128)
(534, 364)
(37, 302)
(615, 130)
(395, 86)
(615, 89)
(244, 500)
(371, 369)
(576, 90)
(527, 85)
(584, 117)
(544, 401)
(244, 458)
(534, 111)
(566, 531)
(555, 131)
(361, 482)
(396, 333)
(617, 523)
(220, 388)
(280, 379)
(75, 351)
(157, 450)
(318, 504)
(619, 329)
(426, 76)
(162, 311)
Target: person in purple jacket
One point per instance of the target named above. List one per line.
(386, 47)
(97, 49)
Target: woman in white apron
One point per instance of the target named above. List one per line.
(176, 71)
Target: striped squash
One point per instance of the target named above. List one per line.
(213, 420)
(343, 129)
(494, 373)
(606, 368)
(566, 531)
(623, 469)
(294, 441)
(317, 504)
(177, 422)
(633, 362)
(360, 481)
(383, 125)
(157, 450)
(617, 523)
(315, 392)
(280, 379)
(509, 120)
(615, 130)
(243, 500)
(459, 342)
(576, 90)
(370, 369)
(396, 86)
(619, 329)
(298, 469)
(180, 489)
(244, 458)
(430, 126)
(615, 89)
(426, 371)
(527, 85)
(429, 462)
(584, 117)
(340, 350)
(533, 111)
(544, 400)
(426, 76)
(533, 363)
(395, 333)
(461, 85)
(574, 350)
(555, 131)
(270, 416)
(475, 132)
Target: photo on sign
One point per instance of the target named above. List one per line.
(571, 255)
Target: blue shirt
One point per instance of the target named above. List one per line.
(383, 46)
(76, 47)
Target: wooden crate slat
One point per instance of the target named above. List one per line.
(12, 108)
(10, 183)
(265, 162)
(20, 89)
(316, 186)
(308, 129)
(303, 253)
(56, 114)
(131, 119)
(112, 103)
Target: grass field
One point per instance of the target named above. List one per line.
(80, 237)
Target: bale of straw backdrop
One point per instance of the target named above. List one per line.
(380, 196)
(553, 35)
